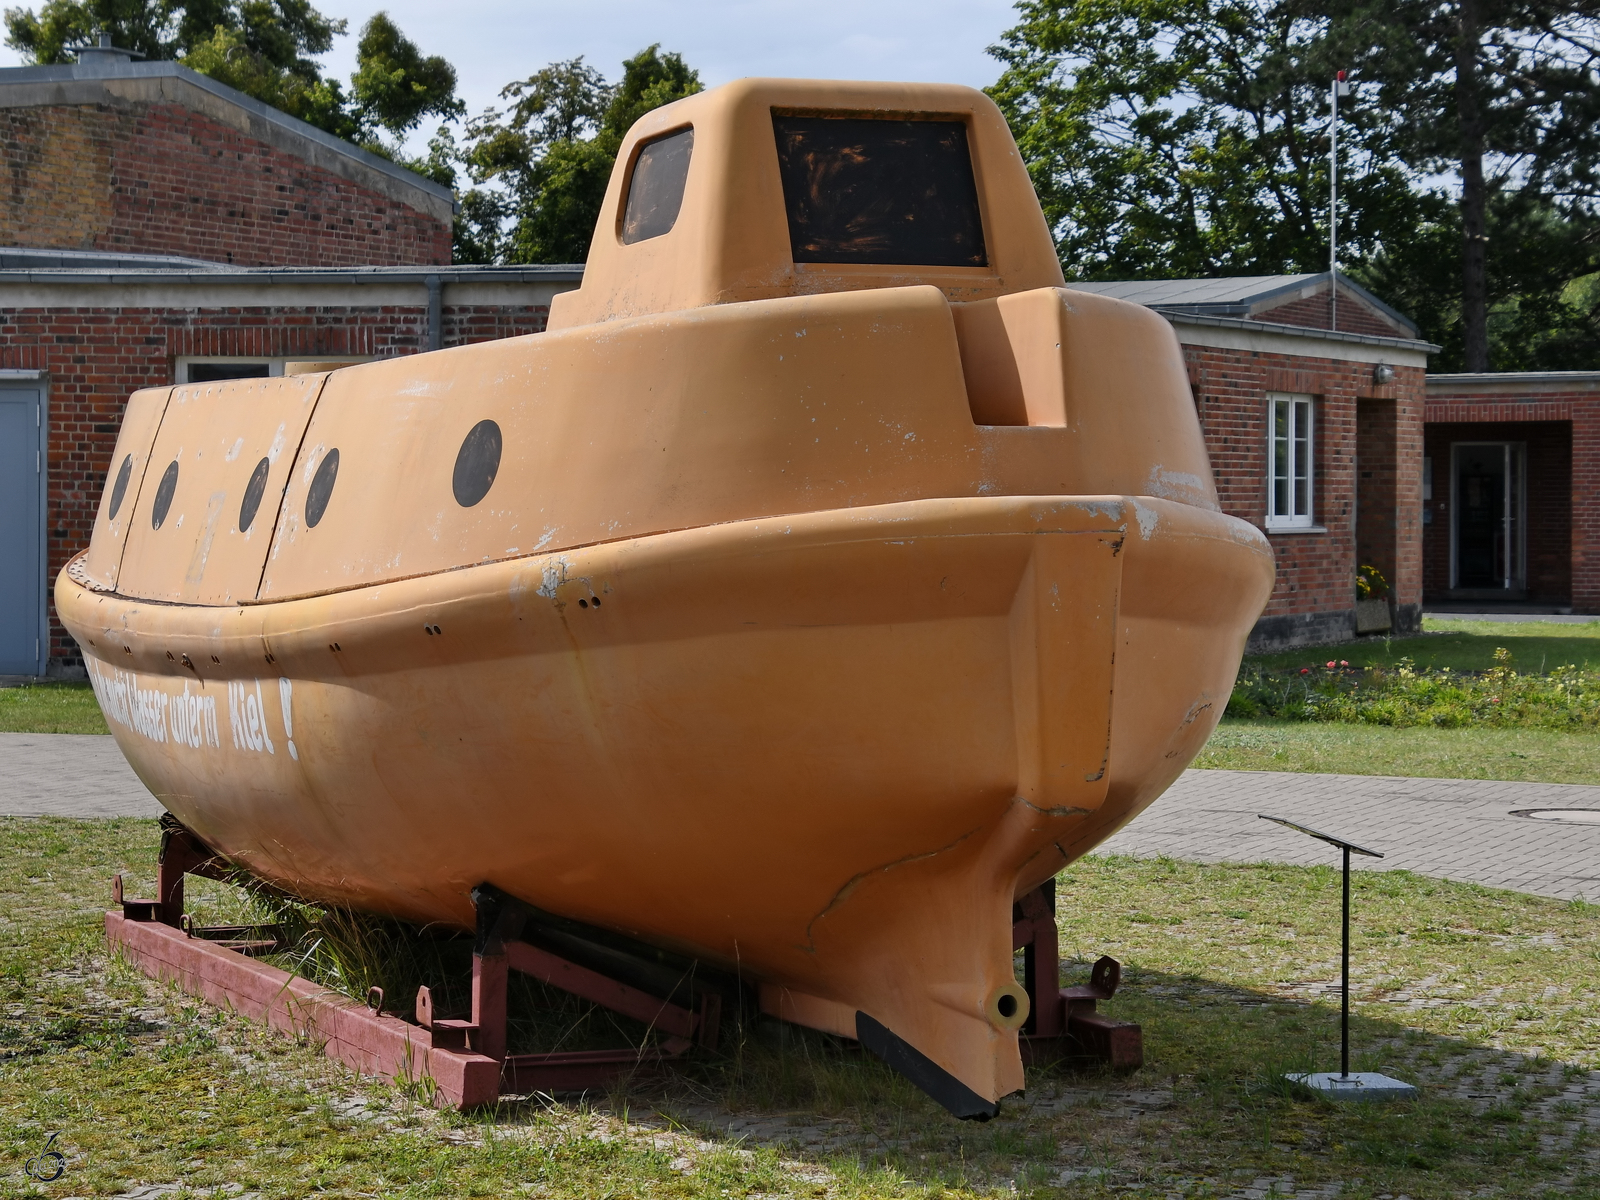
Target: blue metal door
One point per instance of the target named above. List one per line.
(21, 532)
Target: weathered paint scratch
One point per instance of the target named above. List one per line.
(553, 575)
(278, 439)
(202, 545)
(1148, 519)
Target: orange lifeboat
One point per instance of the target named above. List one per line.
(826, 576)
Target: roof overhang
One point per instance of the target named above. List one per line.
(1240, 333)
(1512, 383)
(262, 287)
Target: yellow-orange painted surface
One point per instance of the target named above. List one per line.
(812, 615)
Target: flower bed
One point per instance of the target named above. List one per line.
(1405, 695)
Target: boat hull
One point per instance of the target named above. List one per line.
(826, 750)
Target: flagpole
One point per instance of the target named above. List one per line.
(1339, 88)
(1333, 203)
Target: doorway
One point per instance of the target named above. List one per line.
(22, 611)
(1488, 529)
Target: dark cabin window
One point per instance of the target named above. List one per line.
(883, 192)
(655, 193)
(216, 372)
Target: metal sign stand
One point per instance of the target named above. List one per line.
(1362, 1085)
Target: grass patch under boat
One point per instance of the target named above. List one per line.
(1486, 999)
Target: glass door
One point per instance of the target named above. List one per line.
(1488, 507)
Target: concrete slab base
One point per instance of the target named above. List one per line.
(1358, 1085)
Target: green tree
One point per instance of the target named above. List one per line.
(1177, 138)
(395, 85)
(542, 165)
(1505, 96)
(267, 49)
(1189, 137)
(1542, 267)
(266, 61)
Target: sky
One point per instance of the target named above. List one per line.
(492, 42)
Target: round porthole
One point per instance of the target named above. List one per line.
(120, 488)
(321, 489)
(164, 490)
(253, 491)
(477, 463)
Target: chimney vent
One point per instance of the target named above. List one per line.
(104, 54)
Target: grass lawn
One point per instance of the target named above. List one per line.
(50, 708)
(1487, 1000)
(1535, 646)
(1531, 755)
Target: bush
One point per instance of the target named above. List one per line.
(1567, 698)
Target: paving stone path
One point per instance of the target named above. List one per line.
(69, 775)
(1456, 828)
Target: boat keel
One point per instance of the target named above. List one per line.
(960, 1100)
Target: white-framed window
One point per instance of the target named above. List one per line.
(1291, 475)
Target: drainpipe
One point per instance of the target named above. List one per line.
(435, 313)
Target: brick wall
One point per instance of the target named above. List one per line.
(165, 179)
(1577, 404)
(1314, 596)
(97, 357)
(1313, 312)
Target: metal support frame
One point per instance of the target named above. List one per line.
(467, 1060)
(1063, 1023)
(499, 950)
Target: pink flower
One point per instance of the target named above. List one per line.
(1344, 662)
(1305, 670)
(1331, 665)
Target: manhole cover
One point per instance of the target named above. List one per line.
(1571, 816)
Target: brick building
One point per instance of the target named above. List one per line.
(1311, 402)
(162, 228)
(117, 156)
(1511, 499)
